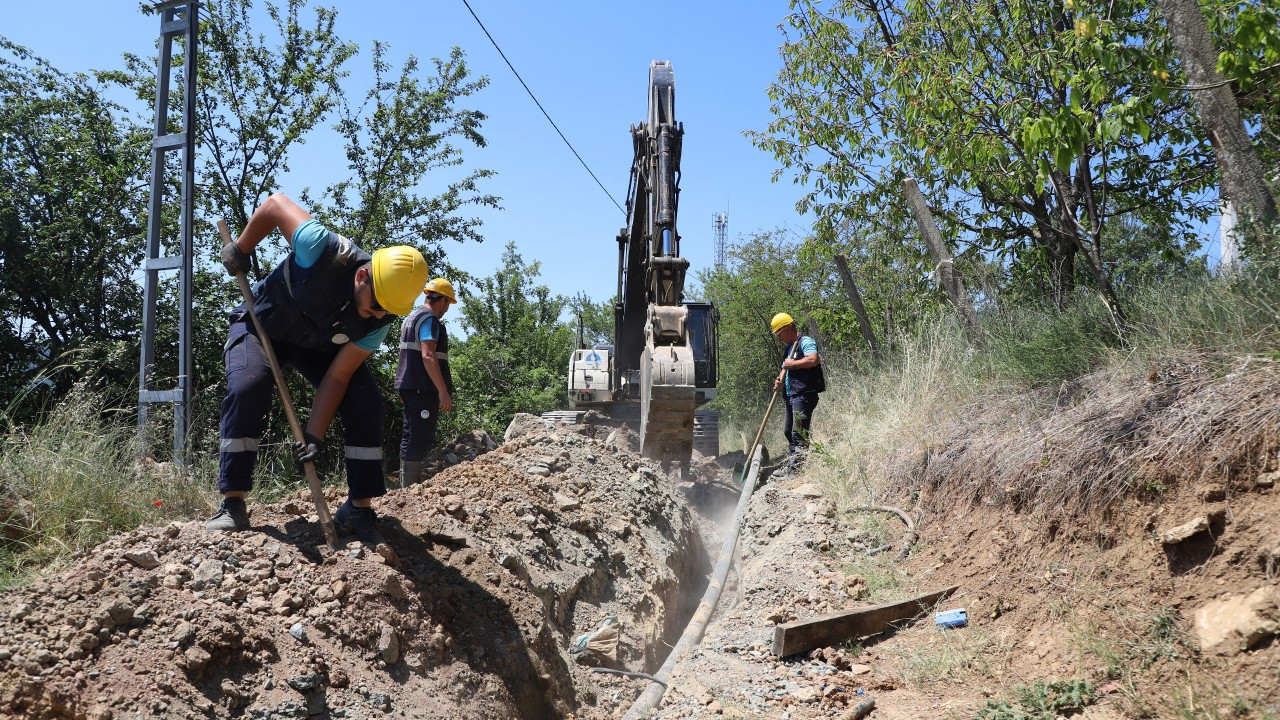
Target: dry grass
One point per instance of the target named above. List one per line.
(1124, 429)
(1193, 395)
(936, 655)
(875, 427)
(75, 480)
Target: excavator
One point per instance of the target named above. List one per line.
(662, 365)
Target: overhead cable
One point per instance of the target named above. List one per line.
(544, 111)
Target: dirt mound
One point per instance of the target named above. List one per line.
(503, 562)
(464, 448)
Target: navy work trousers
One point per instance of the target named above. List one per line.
(799, 415)
(421, 411)
(250, 388)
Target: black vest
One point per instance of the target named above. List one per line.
(315, 307)
(411, 374)
(804, 380)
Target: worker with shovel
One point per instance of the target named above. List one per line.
(801, 379)
(325, 309)
(423, 378)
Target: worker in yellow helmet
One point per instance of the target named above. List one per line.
(423, 378)
(801, 379)
(326, 307)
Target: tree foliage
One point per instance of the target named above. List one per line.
(772, 272)
(71, 215)
(402, 130)
(1029, 125)
(1247, 34)
(516, 354)
(592, 321)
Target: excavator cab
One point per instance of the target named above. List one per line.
(701, 328)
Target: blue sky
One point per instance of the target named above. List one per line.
(588, 64)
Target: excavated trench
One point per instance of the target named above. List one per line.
(504, 558)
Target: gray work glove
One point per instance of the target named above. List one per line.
(305, 452)
(235, 260)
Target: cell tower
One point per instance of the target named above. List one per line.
(722, 231)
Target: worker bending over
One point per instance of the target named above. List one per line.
(800, 379)
(423, 378)
(325, 308)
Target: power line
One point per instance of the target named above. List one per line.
(544, 111)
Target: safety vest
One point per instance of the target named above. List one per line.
(411, 374)
(315, 307)
(804, 380)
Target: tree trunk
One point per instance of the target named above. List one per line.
(1062, 267)
(1243, 179)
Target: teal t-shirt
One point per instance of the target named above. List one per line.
(808, 346)
(309, 241)
(429, 329)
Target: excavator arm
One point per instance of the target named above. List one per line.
(655, 348)
(664, 355)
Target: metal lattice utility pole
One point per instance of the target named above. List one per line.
(178, 19)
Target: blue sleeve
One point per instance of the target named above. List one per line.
(309, 241)
(429, 329)
(373, 340)
(808, 345)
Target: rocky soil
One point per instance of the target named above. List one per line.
(502, 562)
(507, 559)
(1168, 609)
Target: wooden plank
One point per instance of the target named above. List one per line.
(801, 635)
(947, 276)
(855, 297)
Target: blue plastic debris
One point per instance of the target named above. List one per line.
(951, 618)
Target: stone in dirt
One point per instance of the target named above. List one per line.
(1185, 531)
(1239, 622)
(145, 559)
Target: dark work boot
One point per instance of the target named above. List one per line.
(358, 521)
(232, 515)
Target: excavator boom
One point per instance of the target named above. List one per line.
(664, 352)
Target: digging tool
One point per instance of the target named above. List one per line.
(739, 469)
(313, 479)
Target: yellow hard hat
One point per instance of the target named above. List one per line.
(398, 275)
(780, 321)
(440, 286)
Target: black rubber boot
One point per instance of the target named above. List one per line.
(410, 472)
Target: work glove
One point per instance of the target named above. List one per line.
(305, 452)
(235, 260)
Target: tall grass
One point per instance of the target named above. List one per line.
(1054, 404)
(74, 480)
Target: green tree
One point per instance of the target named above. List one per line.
(1029, 125)
(402, 130)
(1247, 35)
(1244, 181)
(593, 319)
(767, 273)
(71, 172)
(516, 354)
